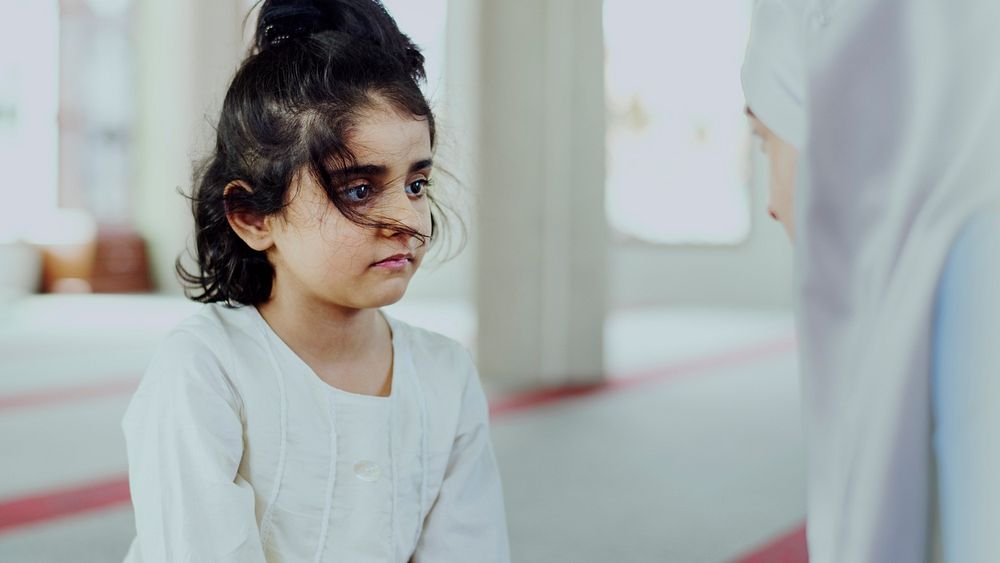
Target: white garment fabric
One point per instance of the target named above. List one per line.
(774, 76)
(966, 389)
(904, 128)
(239, 453)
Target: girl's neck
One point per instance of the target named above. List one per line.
(323, 334)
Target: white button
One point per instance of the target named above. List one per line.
(367, 471)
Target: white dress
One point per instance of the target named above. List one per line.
(239, 453)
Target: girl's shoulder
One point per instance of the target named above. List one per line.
(193, 364)
(205, 345)
(219, 320)
(216, 329)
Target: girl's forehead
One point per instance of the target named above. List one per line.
(387, 135)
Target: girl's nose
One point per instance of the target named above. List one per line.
(403, 216)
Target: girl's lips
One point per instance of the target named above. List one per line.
(396, 262)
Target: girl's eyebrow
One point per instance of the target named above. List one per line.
(378, 169)
(360, 170)
(421, 165)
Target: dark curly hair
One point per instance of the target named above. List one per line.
(314, 67)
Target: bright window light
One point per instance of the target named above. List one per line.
(29, 105)
(677, 135)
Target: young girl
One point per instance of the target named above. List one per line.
(290, 420)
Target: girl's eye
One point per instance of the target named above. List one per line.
(417, 188)
(357, 194)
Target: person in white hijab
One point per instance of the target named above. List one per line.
(902, 160)
(774, 86)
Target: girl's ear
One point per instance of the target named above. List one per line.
(254, 229)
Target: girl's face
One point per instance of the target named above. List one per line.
(321, 255)
(782, 158)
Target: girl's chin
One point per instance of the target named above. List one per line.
(368, 293)
(386, 293)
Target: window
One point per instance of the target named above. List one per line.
(66, 100)
(29, 79)
(677, 136)
(96, 108)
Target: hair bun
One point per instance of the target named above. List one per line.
(279, 21)
(367, 20)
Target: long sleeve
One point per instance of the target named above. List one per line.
(467, 521)
(184, 437)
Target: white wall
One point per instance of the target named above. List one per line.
(187, 52)
(542, 268)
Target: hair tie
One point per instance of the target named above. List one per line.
(281, 23)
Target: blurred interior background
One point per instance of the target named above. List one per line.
(627, 298)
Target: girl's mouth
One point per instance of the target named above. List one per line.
(394, 262)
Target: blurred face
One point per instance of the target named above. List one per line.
(782, 158)
(321, 254)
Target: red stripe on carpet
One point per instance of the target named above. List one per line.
(505, 406)
(61, 503)
(68, 394)
(788, 548)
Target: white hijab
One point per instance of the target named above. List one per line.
(904, 146)
(774, 79)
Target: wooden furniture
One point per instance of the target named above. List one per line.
(121, 263)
